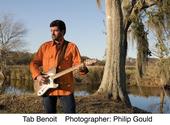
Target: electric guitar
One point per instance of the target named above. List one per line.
(41, 89)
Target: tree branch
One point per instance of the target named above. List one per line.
(134, 8)
(149, 3)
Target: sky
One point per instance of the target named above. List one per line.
(84, 23)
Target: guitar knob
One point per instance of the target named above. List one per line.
(39, 93)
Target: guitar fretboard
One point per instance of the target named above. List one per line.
(67, 71)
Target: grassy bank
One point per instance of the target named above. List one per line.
(89, 104)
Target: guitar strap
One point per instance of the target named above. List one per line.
(61, 54)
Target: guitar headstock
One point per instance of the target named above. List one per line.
(90, 62)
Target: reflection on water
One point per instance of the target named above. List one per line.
(17, 87)
(81, 93)
(154, 100)
(151, 104)
(17, 91)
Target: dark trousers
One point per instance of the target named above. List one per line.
(67, 102)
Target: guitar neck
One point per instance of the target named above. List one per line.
(67, 71)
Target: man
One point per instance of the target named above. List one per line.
(48, 56)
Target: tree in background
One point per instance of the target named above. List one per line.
(151, 26)
(122, 17)
(11, 37)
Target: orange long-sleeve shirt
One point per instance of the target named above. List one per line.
(46, 57)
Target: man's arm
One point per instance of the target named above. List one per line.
(36, 63)
(77, 60)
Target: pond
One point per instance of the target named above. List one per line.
(155, 100)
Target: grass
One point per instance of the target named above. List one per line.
(150, 78)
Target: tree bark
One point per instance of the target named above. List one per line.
(108, 74)
(114, 78)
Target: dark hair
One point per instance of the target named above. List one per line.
(60, 24)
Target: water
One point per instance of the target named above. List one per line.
(151, 103)
(153, 100)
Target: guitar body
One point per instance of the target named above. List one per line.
(41, 89)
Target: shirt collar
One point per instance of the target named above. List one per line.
(58, 44)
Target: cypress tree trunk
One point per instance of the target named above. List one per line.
(114, 78)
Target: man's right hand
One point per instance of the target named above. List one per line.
(43, 79)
